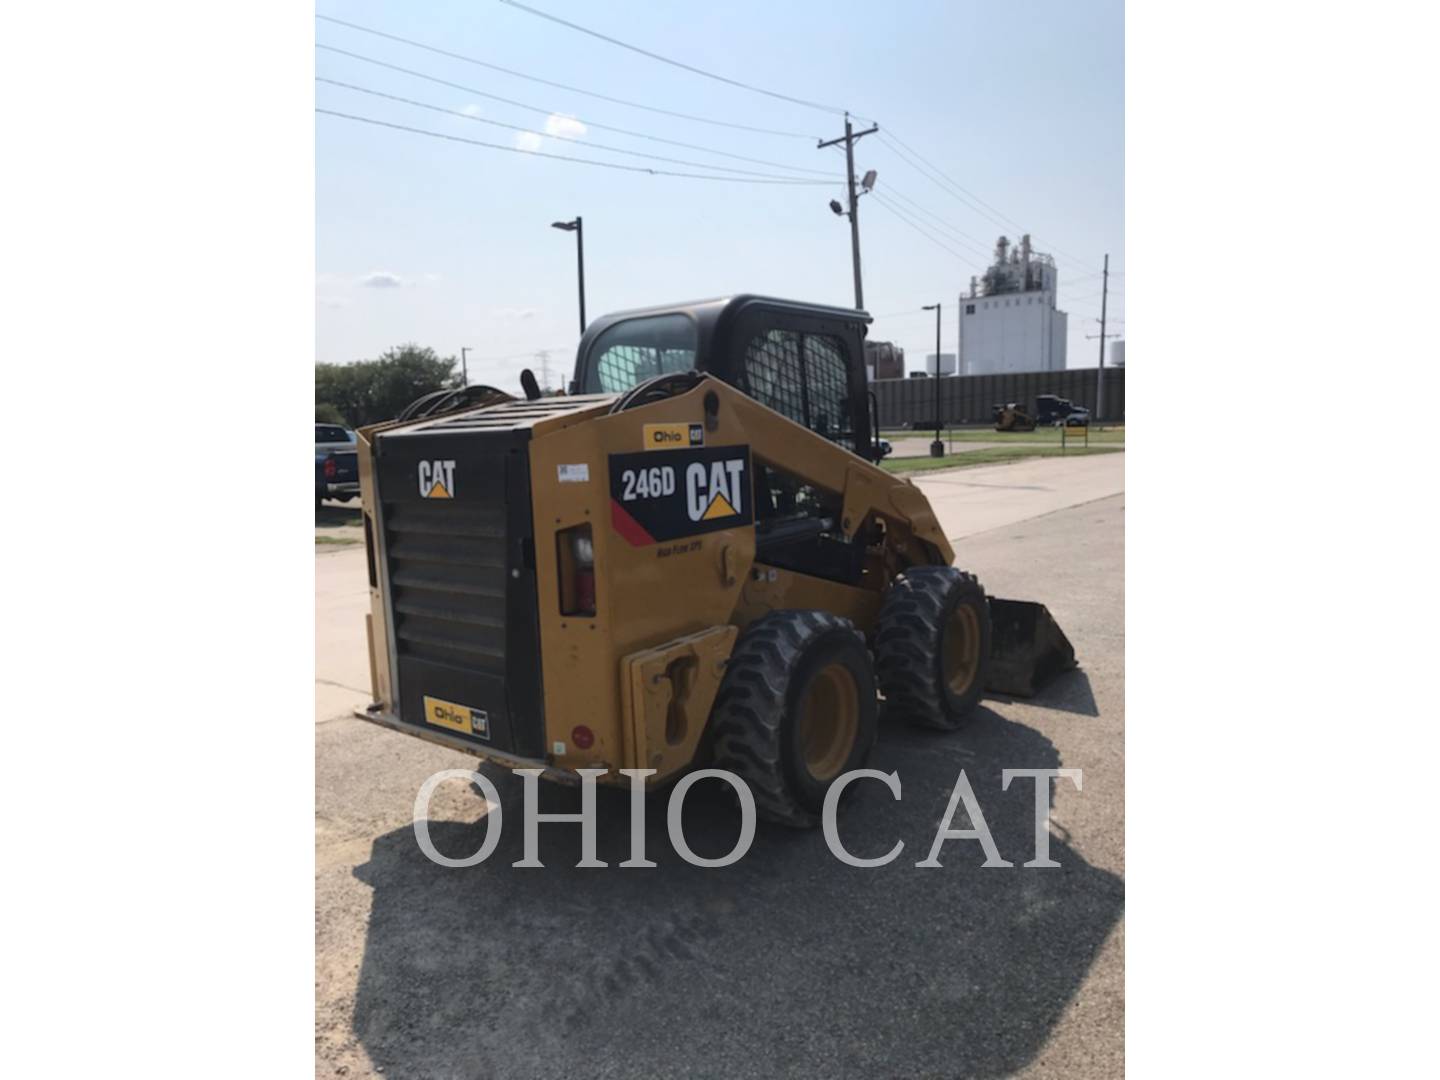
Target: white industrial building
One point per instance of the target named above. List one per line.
(1009, 322)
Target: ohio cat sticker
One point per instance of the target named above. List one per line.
(684, 492)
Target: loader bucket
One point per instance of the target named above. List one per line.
(1027, 647)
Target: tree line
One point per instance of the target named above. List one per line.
(369, 391)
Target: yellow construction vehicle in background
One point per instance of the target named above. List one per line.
(1012, 417)
(693, 557)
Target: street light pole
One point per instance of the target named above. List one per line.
(464, 365)
(1100, 376)
(937, 448)
(578, 228)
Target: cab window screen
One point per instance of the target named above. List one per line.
(638, 349)
(803, 377)
(772, 373)
(827, 390)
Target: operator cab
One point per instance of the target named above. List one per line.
(805, 361)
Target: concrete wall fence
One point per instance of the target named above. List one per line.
(966, 399)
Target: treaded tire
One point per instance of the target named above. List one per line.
(756, 717)
(910, 645)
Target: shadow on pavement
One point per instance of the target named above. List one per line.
(333, 513)
(789, 963)
(1068, 692)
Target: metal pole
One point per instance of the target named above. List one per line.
(937, 448)
(464, 367)
(1100, 378)
(580, 255)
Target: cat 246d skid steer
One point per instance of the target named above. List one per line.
(693, 558)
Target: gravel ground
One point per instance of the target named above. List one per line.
(787, 964)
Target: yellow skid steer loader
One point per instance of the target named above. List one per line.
(693, 558)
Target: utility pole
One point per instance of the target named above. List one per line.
(542, 358)
(849, 139)
(1100, 389)
(1100, 378)
(464, 366)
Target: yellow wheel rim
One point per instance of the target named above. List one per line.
(960, 649)
(829, 721)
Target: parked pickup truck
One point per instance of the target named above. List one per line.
(337, 475)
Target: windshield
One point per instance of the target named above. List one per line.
(638, 349)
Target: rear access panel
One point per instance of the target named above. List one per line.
(460, 572)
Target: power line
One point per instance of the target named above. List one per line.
(890, 189)
(966, 191)
(917, 227)
(963, 195)
(557, 157)
(549, 135)
(559, 85)
(675, 63)
(555, 112)
(894, 143)
(940, 222)
(935, 177)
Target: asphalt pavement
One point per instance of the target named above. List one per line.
(789, 963)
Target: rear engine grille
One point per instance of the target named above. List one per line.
(447, 576)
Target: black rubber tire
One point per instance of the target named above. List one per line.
(754, 721)
(909, 646)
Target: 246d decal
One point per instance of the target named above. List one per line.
(695, 491)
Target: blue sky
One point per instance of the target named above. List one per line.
(447, 244)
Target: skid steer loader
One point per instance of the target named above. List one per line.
(691, 559)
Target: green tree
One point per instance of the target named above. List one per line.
(326, 413)
(369, 391)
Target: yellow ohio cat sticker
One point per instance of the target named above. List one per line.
(459, 718)
(673, 436)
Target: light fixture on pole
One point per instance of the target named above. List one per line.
(937, 448)
(578, 228)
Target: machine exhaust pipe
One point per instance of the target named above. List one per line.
(1027, 647)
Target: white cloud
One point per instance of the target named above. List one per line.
(333, 301)
(472, 110)
(566, 126)
(382, 279)
(528, 141)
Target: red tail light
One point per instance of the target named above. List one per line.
(575, 556)
(330, 468)
(585, 590)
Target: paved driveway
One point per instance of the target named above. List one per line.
(790, 963)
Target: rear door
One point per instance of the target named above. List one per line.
(459, 568)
